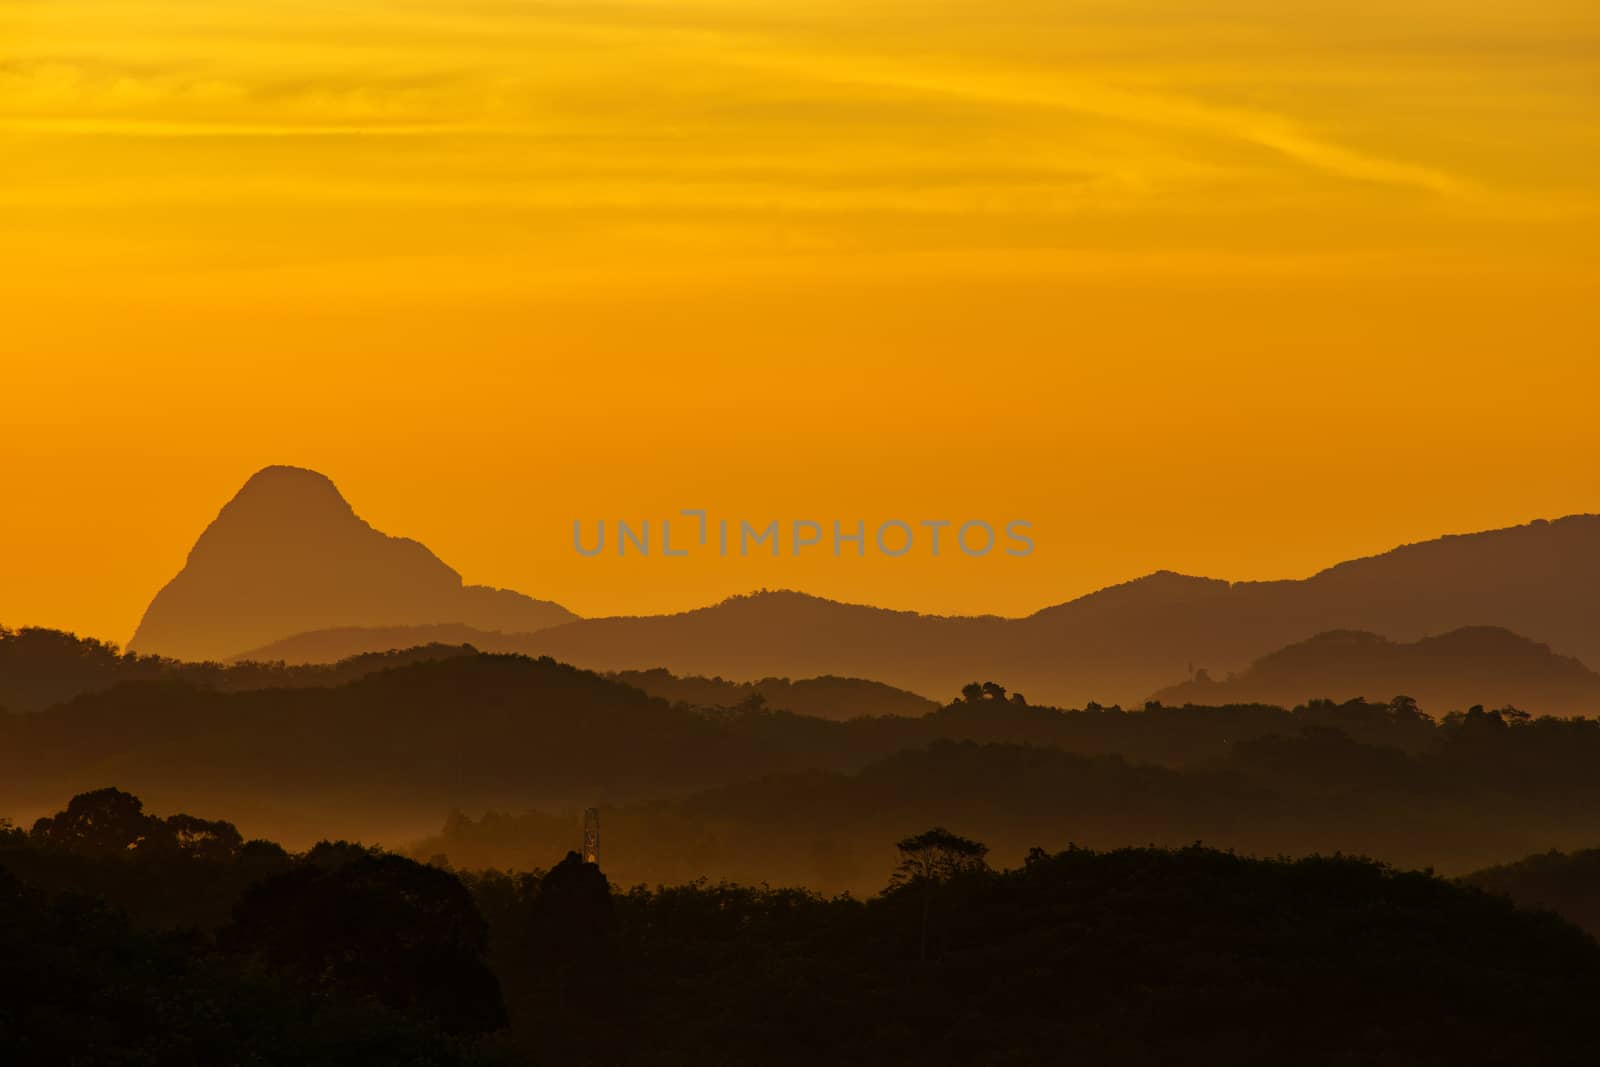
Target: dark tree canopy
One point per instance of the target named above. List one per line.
(377, 924)
(104, 822)
(346, 956)
(937, 855)
(110, 822)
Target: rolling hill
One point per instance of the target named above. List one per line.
(341, 642)
(824, 698)
(1474, 665)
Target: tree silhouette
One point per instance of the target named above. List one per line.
(208, 839)
(1404, 707)
(936, 855)
(1513, 716)
(927, 862)
(379, 925)
(349, 956)
(572, 925)
(103, 822)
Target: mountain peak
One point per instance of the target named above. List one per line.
(288, 514)
(280, 481)
(291, 492)
(288, 554)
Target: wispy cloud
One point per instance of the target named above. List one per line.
(1066, 93)
(850, 122)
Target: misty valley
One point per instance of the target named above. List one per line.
(336, 806)
(978, 881)
(383, 747)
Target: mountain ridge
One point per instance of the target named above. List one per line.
(1540, 580)
(288, 558)
(1471, 665)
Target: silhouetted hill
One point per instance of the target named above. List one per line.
(1119, 644)
(378, 754)
(1565, 883)
(1474, 665)
(40, 667)
(1135, 958)
(824, 698)
(342, 642)
(789, 634)
(127, 938)
(287, 554)
(791, 797)
(1481, 790)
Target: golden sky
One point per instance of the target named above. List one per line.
(1238, 288)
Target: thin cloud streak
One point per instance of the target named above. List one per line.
(1263, 129)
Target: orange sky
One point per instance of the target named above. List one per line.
(1236, 288)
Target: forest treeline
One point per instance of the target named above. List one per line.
(1565, 883)
(129, 938)
(1475, 801)
(752, 793)
(827, 697)
(40, 667)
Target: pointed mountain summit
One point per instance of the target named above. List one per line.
(288, 554)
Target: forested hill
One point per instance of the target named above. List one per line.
(828, 697)
(128, 937)
(386, 756)
(40, 667)
(348, 957)
(1473, 665)
(1483, 794)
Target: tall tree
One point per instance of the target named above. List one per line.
(927, 862)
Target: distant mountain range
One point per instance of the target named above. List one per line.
(1474, 665)
(1124, 643)
(287, 554)
(289, 572)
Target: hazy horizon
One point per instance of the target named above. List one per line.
(1235, 292)
(857, 592)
